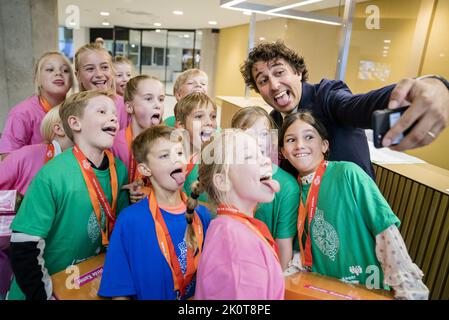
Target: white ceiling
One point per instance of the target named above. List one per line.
(144, 13)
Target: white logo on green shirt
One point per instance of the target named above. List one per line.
(93, 230)
(324, 236)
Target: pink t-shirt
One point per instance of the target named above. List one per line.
(123, 116)
(237, 265)
(20, 166)
(22, 126)
(120, 148)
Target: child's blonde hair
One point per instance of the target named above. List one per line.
(48, 122)
(38, 70)
(186, 105)
(75, 104)
(92, 47)
(133, 83)
(183, 77)
(215, 159)
(122, 60)
(141, 147)
(246, 117)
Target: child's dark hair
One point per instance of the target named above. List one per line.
(307, 117)
(141, 147)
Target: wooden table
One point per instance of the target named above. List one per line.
(313, 286)
(230, 105)
(79, 282)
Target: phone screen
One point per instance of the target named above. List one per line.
(394, 117)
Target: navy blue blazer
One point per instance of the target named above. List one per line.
(345, 116)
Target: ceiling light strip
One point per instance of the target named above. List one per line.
(292, 14)
(294, 5)
(230, 3)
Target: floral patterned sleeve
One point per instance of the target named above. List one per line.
(400, 272)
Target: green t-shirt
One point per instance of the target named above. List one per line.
(57, 208)
(170, 121)
(350, 212)
(280, 215)
(191, 178)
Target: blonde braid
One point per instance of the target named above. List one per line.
(192, 203)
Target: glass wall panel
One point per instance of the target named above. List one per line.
(65, 42)
(134, 48)
(385, 43)
(160, 53)
(181, 55)
(154, 43)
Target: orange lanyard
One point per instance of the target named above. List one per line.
(165, 242)
(44, 104)
(257, 226)
(50, 153)
(310, 209)
(96, 193)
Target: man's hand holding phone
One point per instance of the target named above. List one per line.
(385, 119)
(428, 112)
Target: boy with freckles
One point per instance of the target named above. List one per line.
(71, 204)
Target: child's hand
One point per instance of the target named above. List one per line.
(135, 191)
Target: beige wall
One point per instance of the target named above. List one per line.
(397, 23)
(232, 50)
(318, 44)
(401, 21)
(209, 43)
(436, 61)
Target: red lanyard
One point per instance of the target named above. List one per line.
(96, 193)
(165, 242)
(50, 153)
(257, 226)
(191, 164)
(44, 104)
(133, 173)
(309, 210)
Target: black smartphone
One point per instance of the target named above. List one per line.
(383, 120)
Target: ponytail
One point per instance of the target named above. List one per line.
(192, 203)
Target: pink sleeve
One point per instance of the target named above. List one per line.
(9, 173)
(120, 148)
(123, 116)
(20, 166)
(16, 134)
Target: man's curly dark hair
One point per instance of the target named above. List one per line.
(266, 51)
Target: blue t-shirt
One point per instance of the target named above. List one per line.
(135, 265)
